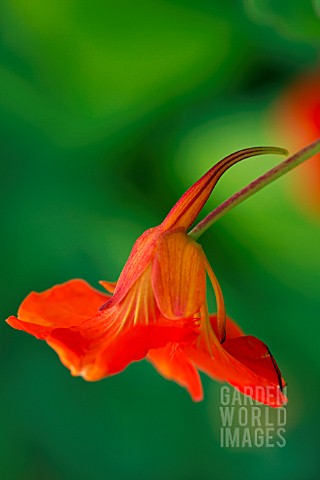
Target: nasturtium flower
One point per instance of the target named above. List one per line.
(157, 310)
(296, 117)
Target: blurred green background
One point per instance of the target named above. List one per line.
(109, 112)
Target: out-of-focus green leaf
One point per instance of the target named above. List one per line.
(83, 70)
(316, 6)
(295, 19)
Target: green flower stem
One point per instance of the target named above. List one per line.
(253, 187)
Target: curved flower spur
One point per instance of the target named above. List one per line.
(158, 310)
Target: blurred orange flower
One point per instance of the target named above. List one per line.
(297, 116)
(157, 309)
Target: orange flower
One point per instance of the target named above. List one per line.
(243, 361)
(297, 117)
(158, 309)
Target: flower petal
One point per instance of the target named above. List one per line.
(186, 210)
(140, 257)
(130, 346)
(65, 305)
(256, 356)
(109, 286)
(90, 343)
(178, 275)
(246, 363)
(173, 364)
(71, 346)
(232, 328)
(55, 314)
